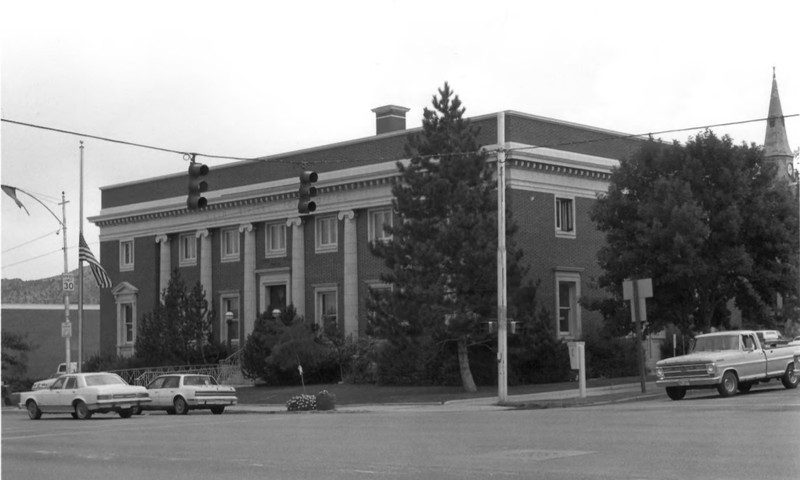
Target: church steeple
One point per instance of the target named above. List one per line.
(776, 143)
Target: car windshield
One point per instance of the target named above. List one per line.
(716, 343)
(109, 379)
(199, 380)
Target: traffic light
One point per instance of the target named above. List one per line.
(307, 190)
(197, 185)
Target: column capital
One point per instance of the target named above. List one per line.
(246, 228)
(202, 233)
(294, 222)
(162, 238)
(348, 214)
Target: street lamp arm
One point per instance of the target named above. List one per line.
(17, 189)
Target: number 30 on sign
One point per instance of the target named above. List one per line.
(68, 282)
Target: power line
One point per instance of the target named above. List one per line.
(31, 241)
(185, 154)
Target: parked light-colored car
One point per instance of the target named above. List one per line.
(84, 394)
(179, 393)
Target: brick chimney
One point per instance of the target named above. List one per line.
(389, 118)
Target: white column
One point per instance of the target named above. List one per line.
(248, 318)
(205, 263)
(165, 265)
(298, 265)
(350, 313)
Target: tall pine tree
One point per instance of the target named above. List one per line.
(443, 251)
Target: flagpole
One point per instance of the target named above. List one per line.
(80, 269)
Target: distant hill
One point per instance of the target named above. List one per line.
(49, 290)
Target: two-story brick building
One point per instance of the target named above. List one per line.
(250, 248)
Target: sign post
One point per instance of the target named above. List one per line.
(637, 290)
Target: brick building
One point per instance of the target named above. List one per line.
(250, 248)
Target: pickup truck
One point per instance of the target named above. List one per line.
(729, 361)
(60, 370)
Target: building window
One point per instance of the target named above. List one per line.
(327, 308)
(125, 299)
(275, 240)
(377, 220)
(127, 323)
(188, 249)
(565, 217)
(327, 231)
(569, 314)
(125, 255)
(230, 245)
(229, 320)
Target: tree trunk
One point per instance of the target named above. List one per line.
(463, 363)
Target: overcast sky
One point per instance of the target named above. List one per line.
(253, 78)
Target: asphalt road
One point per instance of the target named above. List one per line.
(753, 436)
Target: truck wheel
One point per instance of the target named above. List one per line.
(33, 410)
(82, 412)
(790, 379)
(676, 393)
(728, 385)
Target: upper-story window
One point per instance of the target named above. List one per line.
(275, 235)
(188, 249)
(230, 245)
(125, 255)
(377, 220)
(327, 232)
(565, 217)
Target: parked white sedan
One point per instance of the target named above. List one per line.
(179, 393)
(84, 394)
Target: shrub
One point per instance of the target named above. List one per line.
(609, 356)
(301, 403)
(325, 400)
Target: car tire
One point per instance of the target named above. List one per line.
(745, 387)
(728, 385)
(126, 413)
(676, 393)
(33, 410)
(790, 379)
(82, 412)
(137, 410)
(217, 410)
(180, 406)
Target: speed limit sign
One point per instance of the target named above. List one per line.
(68, 282)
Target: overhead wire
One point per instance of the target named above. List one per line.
(184, 154)
(605, 138)
(31, 241)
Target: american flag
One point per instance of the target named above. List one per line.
(84, 254)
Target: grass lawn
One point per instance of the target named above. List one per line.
(349, 394)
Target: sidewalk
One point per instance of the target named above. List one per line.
(627, 392)
(557, 399)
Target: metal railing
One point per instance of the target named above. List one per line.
(222, 371)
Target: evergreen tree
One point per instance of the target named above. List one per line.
(443, 251)
(178, 329)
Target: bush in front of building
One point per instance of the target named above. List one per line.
(535, 354)
(608, 355)
(277, 346)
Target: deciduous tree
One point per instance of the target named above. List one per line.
(709, 222)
